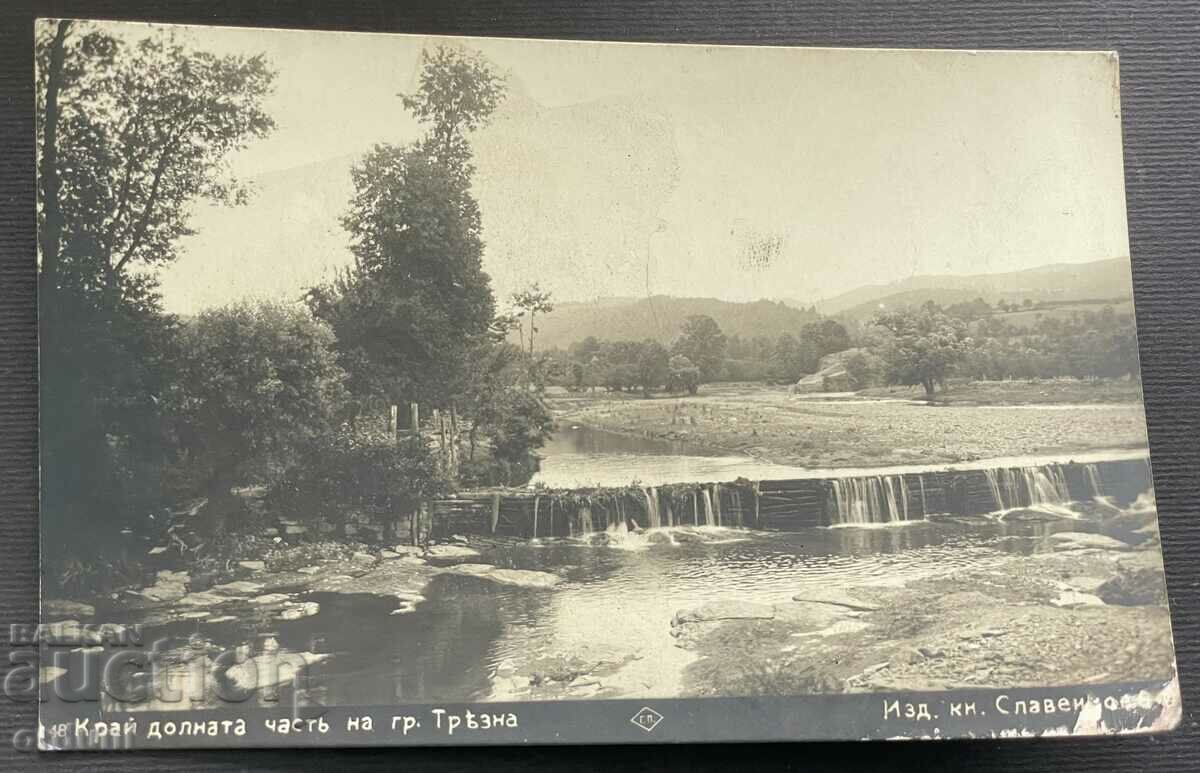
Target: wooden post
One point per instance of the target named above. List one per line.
(495, 511)
(414, 416)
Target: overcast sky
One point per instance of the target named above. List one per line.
(735, 172)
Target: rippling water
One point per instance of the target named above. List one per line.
(615, 597)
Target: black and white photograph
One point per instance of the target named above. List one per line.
(438, 377)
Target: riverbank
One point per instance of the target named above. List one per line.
(969, 423)
(1090, 610)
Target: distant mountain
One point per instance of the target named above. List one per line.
(1057, 282)
(662, 317)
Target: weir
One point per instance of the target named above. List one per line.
(857, 500)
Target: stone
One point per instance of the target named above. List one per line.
(309, 569)
(724, 610)
(205, 599)
(583, 681)
(451, 553)
(221, 619)
(524, 578)
(67, 608)
(1072, 540)
(270, 598)
(156, 550)
(1136, 587)
(300, 610)
(240, 587)
(506, 668)
(358, 555)
(194, 615)
(1072, 598)
(408, 550)
(253, 566)
(387, 555)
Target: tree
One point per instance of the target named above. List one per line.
(417, 303)
(533, 300)
(130, 134)
(260, 384)
(683, 376)
(652, 369)
(702, 342)
(925, 344)
(825, 337)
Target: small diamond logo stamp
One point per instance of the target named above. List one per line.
(646, 718)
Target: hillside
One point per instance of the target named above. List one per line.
(661, 317)
(1057, 282)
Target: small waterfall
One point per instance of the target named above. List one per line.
(716, 500)
(871, 500)
(708, 508)
(924, 507)
(652, 514)
(1043, 487)
(585, 520)
(1092, 474)
(536, 500)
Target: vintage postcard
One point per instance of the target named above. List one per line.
(426, 390)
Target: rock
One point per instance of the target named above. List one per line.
(66, 608)
(360, 556)
(194, 615)
(724, 610)
(309, 569)
(221, 619)
(205, 599)
(458, 539)
(506, 668)
(270, 598)
(932, 653)
(1071, 598)
(1137, 587)
(524, 578)
(169, 586)
(838, 597)
(908, 656)
(240, 587)
(408, 550)
(300, 610)
(386, 555)
(583, 681)
(451, 553)
(1072, 540)
(253, 566)
(156, 550)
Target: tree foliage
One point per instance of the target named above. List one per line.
(925, 344)
(702, 342)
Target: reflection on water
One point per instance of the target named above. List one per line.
(616, 597)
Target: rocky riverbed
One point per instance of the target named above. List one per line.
(1091, 610)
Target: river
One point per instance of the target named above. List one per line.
(618, 594)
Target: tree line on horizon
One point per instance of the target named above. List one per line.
(912, 346)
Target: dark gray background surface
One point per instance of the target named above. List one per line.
(1160, 76)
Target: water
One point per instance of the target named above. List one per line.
(621, 586)
(581, 457)
(619, 591)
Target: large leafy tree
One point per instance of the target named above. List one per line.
(702, 342)
(924, 345)
(129, 134)
(417, 302)
(259, 386)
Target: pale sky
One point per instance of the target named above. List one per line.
(734, 172)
